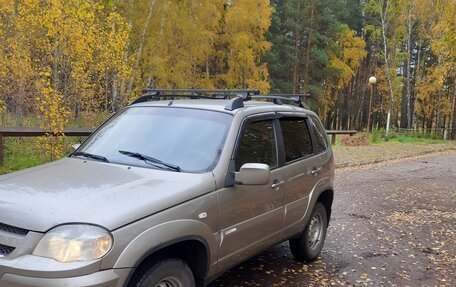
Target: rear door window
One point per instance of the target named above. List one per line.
(296, 138)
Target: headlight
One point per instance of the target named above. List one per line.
(74, 242)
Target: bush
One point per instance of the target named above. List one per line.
(404, 137)
(375, 137)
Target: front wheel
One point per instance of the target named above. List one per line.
(166, 273)
(309, 244)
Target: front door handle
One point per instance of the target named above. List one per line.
(276, 184)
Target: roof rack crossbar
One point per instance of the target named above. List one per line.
(199, 91)
(278, 98)
(157, 94)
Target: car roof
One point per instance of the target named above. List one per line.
(220, 104)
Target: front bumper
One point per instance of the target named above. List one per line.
(34, 271)
(106, 278)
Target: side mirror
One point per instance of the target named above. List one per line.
(75, 147)
(253, 174)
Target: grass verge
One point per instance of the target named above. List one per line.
(21, 153)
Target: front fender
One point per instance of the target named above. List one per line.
(166, 234)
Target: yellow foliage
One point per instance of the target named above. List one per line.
(2, 106)
(80, 45)
(173, 45)
(200, 43)
(353, 50)
(58, 56)
(345, 61)
(246, 42)
(55, 116)
(445, 36)
(428, 88)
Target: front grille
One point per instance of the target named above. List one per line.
(10, 238)
(12, 229)
(5, 250)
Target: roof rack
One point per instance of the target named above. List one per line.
(237, 97)
(157, 94)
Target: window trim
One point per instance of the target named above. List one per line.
(280, 146)
(312, 120)
(272, 116)
(250, 119)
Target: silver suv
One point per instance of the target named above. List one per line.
(171, 191)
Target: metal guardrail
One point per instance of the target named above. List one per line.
(37, 132)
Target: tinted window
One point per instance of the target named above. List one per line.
(257, 145)
(320, 135)
(190, 139)
(296, 138)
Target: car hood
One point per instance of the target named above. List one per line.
(82, 191)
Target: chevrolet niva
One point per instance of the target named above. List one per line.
(171, 191)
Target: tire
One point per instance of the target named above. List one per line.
(166, 273)
(308, 245)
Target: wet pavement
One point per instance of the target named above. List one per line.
(393, 224)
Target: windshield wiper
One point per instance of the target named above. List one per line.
(91, 156)
(149, 159)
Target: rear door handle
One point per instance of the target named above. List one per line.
(315, 171)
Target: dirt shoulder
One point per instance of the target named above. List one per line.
(362, 155)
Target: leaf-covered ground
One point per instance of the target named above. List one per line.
(393, 224)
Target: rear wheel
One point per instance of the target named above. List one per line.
(166, 273)
(308, 246)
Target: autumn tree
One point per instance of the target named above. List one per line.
(198, 43)
(435, 85)
(81, 44)
(242, 36)
(60, 56)
(94, 56)
(344, 60)
(314, 51)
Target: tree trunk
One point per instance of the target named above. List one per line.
(403, 122)
(141, 44)
(453, 117)
(409, 54)
(383, 16)
(417, 78)
(309, 46)
(438, 106)
(294, 75)
(122, 89)
(159, 40)
(114, 92)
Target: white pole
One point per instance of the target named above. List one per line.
(388, 122)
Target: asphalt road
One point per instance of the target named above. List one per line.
(393, 224)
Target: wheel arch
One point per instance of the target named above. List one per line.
(190, 240)
(327, 198)
(191, 249)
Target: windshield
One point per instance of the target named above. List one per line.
(180, 139)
